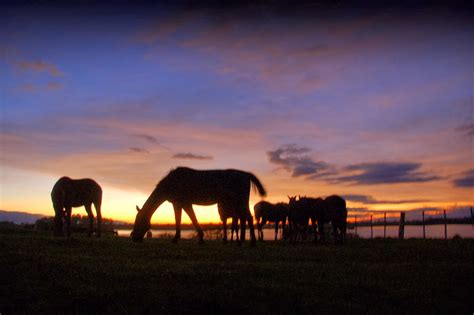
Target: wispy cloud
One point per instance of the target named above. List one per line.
(192, 156)
(139, 150)
(40, 66)
(369, 200)
(296, 160)
(385, 173)
(146, 137)
(466, 180)
(466, 129)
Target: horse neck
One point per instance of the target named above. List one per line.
(153, 202)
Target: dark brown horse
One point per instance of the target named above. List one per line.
(336, 212)
(234, 227)
(315, 210)
(298, 216)
(68, 193)
(183, 187)
(266, 211)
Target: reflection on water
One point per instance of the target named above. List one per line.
(411, 231)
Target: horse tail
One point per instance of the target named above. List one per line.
(257, 185)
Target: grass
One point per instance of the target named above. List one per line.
(42, 274)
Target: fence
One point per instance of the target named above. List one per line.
(367, 219)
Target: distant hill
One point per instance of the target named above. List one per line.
(19, 217)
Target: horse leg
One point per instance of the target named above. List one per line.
(253, 239)
(277, 224)
(177, 219)
(91, 218)
(190, 211)
(343, 232)
(242, 230)
(58, 220)
(224, 226)
(334, 233)
(262, 224)
(313, 225)
(236, 228)
(97, 205)
(321, 231)
(232, 230)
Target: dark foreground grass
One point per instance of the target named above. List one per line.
(42, 274)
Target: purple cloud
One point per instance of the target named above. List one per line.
(294, 159)
(466, 180)
(385, 173)
(139, 150)
(192, 156)
(366, 199)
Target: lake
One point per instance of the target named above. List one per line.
(411, 231)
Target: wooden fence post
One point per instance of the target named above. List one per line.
(445, 226)
(371, 228)
(355, 223)
(401, 228)
(423, 221)
(384, 224)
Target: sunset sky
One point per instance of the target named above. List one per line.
(371, 103)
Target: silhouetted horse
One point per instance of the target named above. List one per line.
(315, 209)
(234, 227)
(68, 193)
(336, 212)
(265, 211)
(183, 187)
(298, 216)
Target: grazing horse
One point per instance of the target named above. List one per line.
(183, 187)
(265, 211)
(315, 209)
(68, 193)
(234, 227)
(336, 212)
(298, 216)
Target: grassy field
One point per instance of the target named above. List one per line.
(40, 273)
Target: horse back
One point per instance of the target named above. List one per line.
(206, 187)
(69, 192)
(336, 207)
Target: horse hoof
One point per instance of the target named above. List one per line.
(201, 241)
(224, 241)
(175, 240)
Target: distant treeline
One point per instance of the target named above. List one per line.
(79, 223)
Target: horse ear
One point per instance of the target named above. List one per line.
(138, 209)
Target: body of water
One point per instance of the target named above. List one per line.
(411, 231)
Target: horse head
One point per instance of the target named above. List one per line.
(140, 227)
(291, 199)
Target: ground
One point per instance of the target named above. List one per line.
(42, 274)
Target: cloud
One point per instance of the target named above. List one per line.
(466, 180)
(146, 137)
(192, 156)
(385, 173)
(366, 199)
(40, 66)
(466, 129)
(139, 150)
(295, 160)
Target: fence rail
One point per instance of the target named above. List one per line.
(367, 219)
